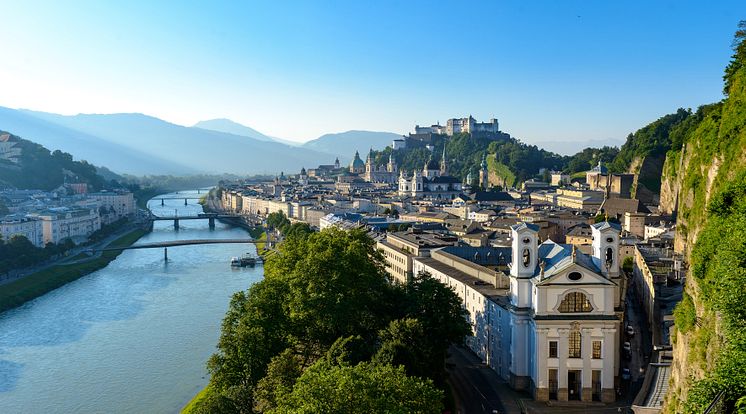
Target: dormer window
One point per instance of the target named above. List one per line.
(526, 257)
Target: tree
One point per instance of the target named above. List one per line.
(336, 285)
(282, 372)
(405, 342)
(362, 388)
(254, 331)
(441, 315)
(278, 220)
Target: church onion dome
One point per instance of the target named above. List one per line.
(357, 163)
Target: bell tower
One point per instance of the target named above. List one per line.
(606, 248)
(525, 248)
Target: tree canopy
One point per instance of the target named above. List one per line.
(325, 316)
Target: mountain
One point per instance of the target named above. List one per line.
(230, 127)
(85, 146)
(344, 144)
(140, 144)
(27, 165)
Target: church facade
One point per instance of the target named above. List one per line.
(433, 182)
(383, 173)
(563, 309)
(551, 322)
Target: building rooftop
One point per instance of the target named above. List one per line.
(489, 291)
(424, 239)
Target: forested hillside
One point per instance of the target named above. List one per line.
(509, 160)
(704, 182)
(38, 168)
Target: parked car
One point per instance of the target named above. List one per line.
(627, 347)
(626, 375)
(630, 330)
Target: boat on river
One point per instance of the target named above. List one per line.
(243, 261)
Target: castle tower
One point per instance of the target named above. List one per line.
(336, 163)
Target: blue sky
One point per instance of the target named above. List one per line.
(548, 70)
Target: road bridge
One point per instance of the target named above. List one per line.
(186, 198)
(210, 217)
(174, 243)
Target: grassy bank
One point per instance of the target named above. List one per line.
(32, 286)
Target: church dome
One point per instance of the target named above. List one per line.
(357, 163)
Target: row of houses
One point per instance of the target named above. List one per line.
(76, 221)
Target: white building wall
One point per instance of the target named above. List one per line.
(27, 227)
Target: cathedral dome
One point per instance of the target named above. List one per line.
(357, 163)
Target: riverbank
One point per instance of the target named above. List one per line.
(17, 293)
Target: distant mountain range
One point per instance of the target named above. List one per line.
(346, 143)
(230, 127)
(139, 144)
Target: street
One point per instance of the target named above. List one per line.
(641, 345)
(476, 387)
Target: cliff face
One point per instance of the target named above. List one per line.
(704, 184)
(647, 172)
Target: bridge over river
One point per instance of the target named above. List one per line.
(210, 217)
(174, 243)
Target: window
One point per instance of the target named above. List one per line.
(609, 255)
(575, 276)
(574, 344)
(596, 349)
(552, 349)
(575, 302)
(526, 257)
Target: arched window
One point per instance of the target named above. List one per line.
(526, 257)
(575, 302)
(609, 255)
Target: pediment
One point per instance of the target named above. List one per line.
(573, 273)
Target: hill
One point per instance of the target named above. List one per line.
(85, 146)
(704, 184)
(344, 144)
(230, 127)
(140, 144)
(27, 165)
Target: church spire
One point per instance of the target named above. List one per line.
(443, 165)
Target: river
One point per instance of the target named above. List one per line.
(132, 337)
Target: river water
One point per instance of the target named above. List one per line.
(133, 337)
